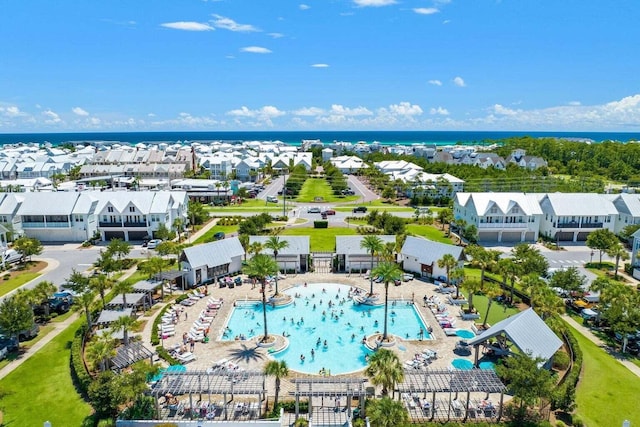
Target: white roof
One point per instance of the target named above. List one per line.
(483, 202)
(428, 251)
(213, 254)
(297, 244)
(565, 204)
(350, 245)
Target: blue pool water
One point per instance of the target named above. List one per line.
(465, 334)
(462, 364)
(342, 326)
(487, 365)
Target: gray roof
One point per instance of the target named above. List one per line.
(145, 285)
(109, 316)
(49, 203)
(565, 204)
(132, 299)
(350, 245)
(527, 331)
(213, 254)
(428, 251)
(297, 244)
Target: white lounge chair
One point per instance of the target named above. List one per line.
(186, 357)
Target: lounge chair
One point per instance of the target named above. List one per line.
(186, 357)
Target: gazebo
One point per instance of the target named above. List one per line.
(127, 355)
(418, 384)
(134, 300)
(109, 316)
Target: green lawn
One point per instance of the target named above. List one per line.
(208, 236)
(431, 232)
(250, 205)
(607, 391)
(498, 311)
(41, 389)
(321, 239)
(318, 187)
(7, 286)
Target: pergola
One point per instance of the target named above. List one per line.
(110, 316)
(331, 388)
(127, 355)
(210, 382)
(133, 300)
(451, 381)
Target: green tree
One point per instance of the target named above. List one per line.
(530, 259)
(196, 213)
(100, 349)
(259, 267)
(472, 286)
(448, 262)
(255, 248)
(618, 252)
(533, 285)
(387, 412)
(509, 269)
(28, 246)
(276, 245)
(547, 303)
(374, 245)
(456, 276)
(389, 272)
(154, 267)
(385, 369)
(445, 216)
(42, 292)
(77, 281)
(178, 227)
(105, 396)
(168, 248)
(106, 262)
(601, 240)
(100, 284)
(244, 241)
(162, 232)
(491, 291)
(568, 279)
(85, 300)
(483, 259)
(279, 370)
(123, 288)
(125, 324)
(16, 315)
(119, 249)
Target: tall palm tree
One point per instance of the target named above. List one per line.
(533, 285)
(244, 241)
(385, 369)
(548, 304)
(482, 258)
(100, 350)
(126, 324)
(261, 266)
(457, 277)
(123, 287)
(255, 248)
(276, 245)
(100, 284)
(374, 245)
(277, 369)
(154, 267)
(42, 292)
(389, 272)
(491, 290)
(448, 262)
(618, 252)
(472, 285)
(510, 269)
(178, 225)
(387, 412)
(85, 300)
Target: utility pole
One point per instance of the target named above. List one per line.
(284, 194)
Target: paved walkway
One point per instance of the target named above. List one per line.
(586, 332)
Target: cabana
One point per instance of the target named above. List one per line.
(109, 316)
(528, 333)
(127, 355)
(134, 300)
(146, 287)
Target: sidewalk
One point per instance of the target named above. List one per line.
(597, 341)
(58, 328)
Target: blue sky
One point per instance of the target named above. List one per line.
(319, 65)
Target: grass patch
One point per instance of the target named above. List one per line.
(208, 236)
(248, 205)
(430, 232)
(498, 311)
(44, 382)
(319, 187)
(320, 239)
(606, 393)
(19, 277)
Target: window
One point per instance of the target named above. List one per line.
(494, 210)
(109, 208)
(132, 208)
(515, 209)
(78, 218)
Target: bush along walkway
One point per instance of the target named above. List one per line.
(597, 341)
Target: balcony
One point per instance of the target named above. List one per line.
(122, 224)
(46, 225)
(502, 225)
(576, 224)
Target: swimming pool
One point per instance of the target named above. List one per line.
(309, 322)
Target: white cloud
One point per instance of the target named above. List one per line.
(304, 7)
(79, 111)
(229, 24)
(446, 21)
(308, 111)
(320, 65)
(439, 111)
(275, 35)
(627, 103)
(374, 3)
(151, 115)
(458, 81)
(346, 111)
(405, 109)
(426, 10)
(52, 117)
(574, 103)
(187, 26)
(268, 111)
(255, 49)
(503, 111)
(12, 111)
(435, 82)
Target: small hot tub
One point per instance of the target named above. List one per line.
(462, 364)
(465, 334)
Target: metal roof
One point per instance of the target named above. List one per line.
(133, 299)
(428, 251)
(211, 381)
(297, 244)
(350, 245)
(48, 203)
(565, 204)
(527, 331)
(109, 316)
(145, 285)
(451, 380)
(213, 254)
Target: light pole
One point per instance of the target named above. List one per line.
(284, 193)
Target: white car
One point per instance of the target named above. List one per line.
(152, 244)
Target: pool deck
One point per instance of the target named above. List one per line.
(247, 355)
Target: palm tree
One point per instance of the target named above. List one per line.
(154, 267)
(255, 248)
(85, 300)
(447, 262)
(244, 241)
(277, 369)
(276, 245)
(178, 225)
(509, 269)
(618, 252)
(385, 369)
(387, 412)
(533, 285)
(472, 285)
(100, 350)
(374, 245)
(445, 216)
(261, 266)
(126, 324)
(100, 284)
(548, 304)
(42, 292)
(457, 277)
(491, 290)
(389, 272)
(123, 287)
(482, 258)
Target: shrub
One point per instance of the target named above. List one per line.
(320, 224)
(6, 276)
(164, 354)
(561, 360)
(560, 424)
(78, 370)
(155, 339)
(577, 421)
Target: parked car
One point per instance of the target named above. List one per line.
(362, 209)
(329, 212)
(12, 256)
(219, 235)
(313, 210)
(272, 199)
(323, 215)
(152, 244)
(407, 276)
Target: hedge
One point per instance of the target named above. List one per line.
(564, 395)
(155, 340)
(79, 372)
(320, 224)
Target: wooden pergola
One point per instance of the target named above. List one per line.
(330, 388)
(451, 382)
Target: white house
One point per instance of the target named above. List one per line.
(628, 207)
(421, 256)
(500, 217)
(348, 164)
(292, 258)
(205, 263)
(572, 216)
(352, 257)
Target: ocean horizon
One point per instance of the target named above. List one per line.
(296, 137)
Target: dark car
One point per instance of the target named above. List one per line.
(219, 235)
(329, 212)
(362, 209)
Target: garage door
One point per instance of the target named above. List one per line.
(582, 236)
(511, 236)
(490, 236)
(110, 235)
(530, 236)
(137, 235)
(564, 236)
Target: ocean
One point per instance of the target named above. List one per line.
(296, 137)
